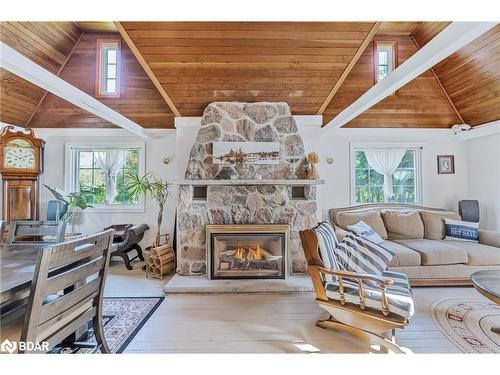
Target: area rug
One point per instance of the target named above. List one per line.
(467, 323)
(123, 317)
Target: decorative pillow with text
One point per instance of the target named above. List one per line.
(457, 230)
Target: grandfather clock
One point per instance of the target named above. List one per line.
(21, 163)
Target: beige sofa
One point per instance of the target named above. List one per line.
(416, 235)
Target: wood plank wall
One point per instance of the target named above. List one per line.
(45, 43)
(418, 104)
(139, 100)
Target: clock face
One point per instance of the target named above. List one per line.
(19, 154)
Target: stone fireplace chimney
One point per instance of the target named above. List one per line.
(244, 194)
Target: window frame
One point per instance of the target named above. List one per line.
(71, 172)
(393, 46)
(99, 89)
(373, 146)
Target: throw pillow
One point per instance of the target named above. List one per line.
(371, 217)
(364, 230)
(434, 223)
(458, 230)
(403, 225)
(356, 254)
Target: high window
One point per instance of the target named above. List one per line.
(100, 174)
(384, 174)
(385, 56)
(108, 68)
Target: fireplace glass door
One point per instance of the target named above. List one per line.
(248, 255)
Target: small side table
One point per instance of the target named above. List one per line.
(488, 284)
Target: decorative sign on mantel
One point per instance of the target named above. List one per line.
(238, 153)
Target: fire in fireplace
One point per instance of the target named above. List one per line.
(247, 251)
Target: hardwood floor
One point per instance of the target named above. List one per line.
(261, 323)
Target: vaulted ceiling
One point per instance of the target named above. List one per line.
(48, 44)
(316, 67)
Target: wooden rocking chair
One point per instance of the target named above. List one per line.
(349, 310)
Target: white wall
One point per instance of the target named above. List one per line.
(441, 191)
(469, 181)
(484, 178)
(163, 146)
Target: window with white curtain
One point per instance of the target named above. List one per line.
(99, 173)
(385, 174)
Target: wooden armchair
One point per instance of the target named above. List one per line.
(361, 304)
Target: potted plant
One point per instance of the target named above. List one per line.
(149, 185)
(74, 203)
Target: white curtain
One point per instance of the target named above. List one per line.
(385, 162)
(110, 162)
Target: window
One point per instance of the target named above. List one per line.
(99, 173)
(108, 68)
(368, 183)
(385, 59)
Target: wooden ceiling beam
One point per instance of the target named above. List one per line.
(23, 67)
(147, 69)
(59, 71)
(448, 41)
(349, 67)
(445, 93)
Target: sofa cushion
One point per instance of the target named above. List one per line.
(372, 218)
(478, 254)
(434, 223)
(436, 252)
(403, 256)
(403, 224)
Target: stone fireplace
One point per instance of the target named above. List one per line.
(247, 251)
(217, 194)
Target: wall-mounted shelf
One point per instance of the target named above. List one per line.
(248, 182)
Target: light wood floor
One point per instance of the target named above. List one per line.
(250, 323)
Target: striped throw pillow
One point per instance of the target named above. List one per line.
(357, 254)
(364, 230)
(327, 242)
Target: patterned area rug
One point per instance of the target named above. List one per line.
(123, 318)
(467, 323)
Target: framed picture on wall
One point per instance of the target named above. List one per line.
(446, 164)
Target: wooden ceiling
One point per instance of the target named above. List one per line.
(139, 100)
(201, 62)
(316, 67)
(48, 44)
(471, 77)
(419, 104)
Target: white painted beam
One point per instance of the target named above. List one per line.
(490, 128)
(23, 67)
(448, 41)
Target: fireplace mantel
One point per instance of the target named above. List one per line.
(240, 182)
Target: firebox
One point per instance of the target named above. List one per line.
(247, 251)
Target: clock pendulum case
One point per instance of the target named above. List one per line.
(21, 164)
